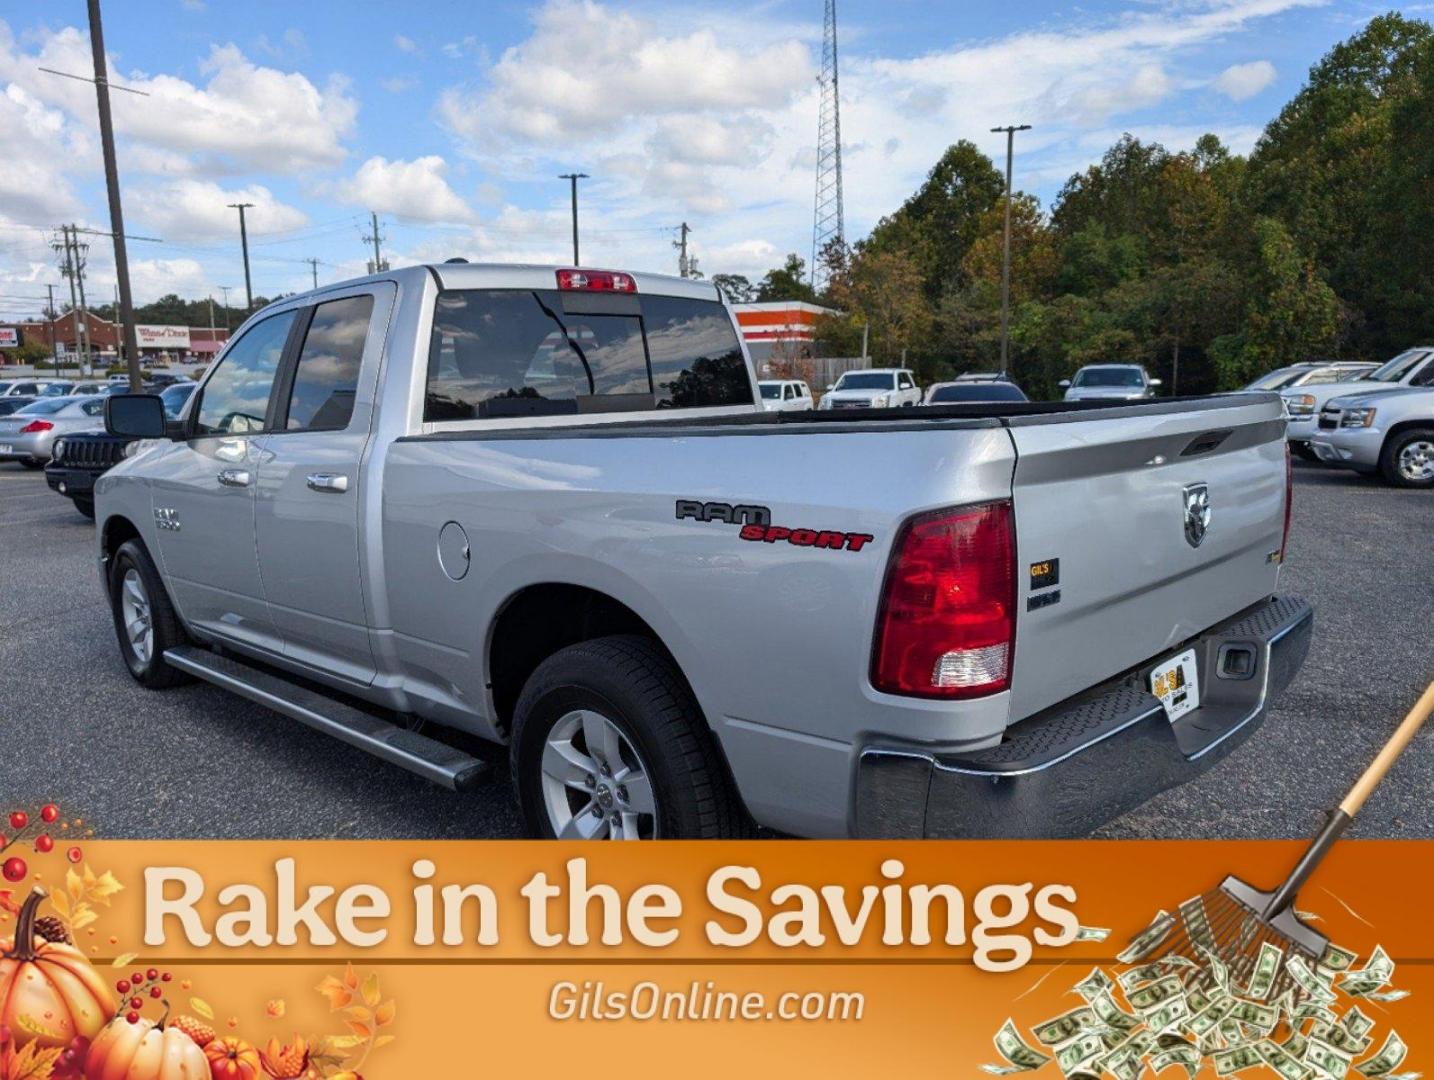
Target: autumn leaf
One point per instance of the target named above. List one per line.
(359, 1013)
(371, 994)
(338, 994)
(384, 1014)
(276, 1008)
(84, 915)
(102, 888)
(74, 885)
(7, 902)
(340, 1042)
(61, 903)
(33, 1063)
(351, 979)
(383, 1040)
(363, 1031)
(123, 960)
(202, 1007)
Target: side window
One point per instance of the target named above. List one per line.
(696, 357)
(236, 397)
(93, 408)
(789, 392)
(326, 378)
(1319, 377)
(906, 381)
(1425, 375)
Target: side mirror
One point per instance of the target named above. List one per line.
(1157, 382)
(831, 386)
(135, 416)
(1064, 384)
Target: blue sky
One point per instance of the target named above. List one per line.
(452, 120)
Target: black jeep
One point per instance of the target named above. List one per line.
(77, 461)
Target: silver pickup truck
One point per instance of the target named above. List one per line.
(544, 507)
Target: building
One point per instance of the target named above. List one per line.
(176, 343)
(779, 329)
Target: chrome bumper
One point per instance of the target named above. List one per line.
(1077, 765)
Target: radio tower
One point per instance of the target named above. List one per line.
(828, 223)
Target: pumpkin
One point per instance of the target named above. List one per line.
(49, 994)
(145, 1051)
(232, 1059)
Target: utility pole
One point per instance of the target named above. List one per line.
(244, 243)
(681, 245)
(74, 269)
(573, 178)
(1010, 131)
(211, 317)
(107, 142)
(314, 266)
(67, 269)
(54, 343)
(225, 290)
(378, 266)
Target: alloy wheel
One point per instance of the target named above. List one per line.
(1416, 461)
(595, 784)
(135, 614)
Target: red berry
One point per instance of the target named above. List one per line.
(49, 812)
(43, 844)
(14, 869)
(122, 986)
(4, 840)
(155, 992)
(74, 854)
(152, 974)
(19, 819)
(132, 1017)
(137, 978)
(166, 977)
(136, 1003)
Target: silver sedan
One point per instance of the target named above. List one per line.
(27, 436)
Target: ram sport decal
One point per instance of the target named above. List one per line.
(756, 522)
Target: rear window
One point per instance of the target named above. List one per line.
(977, 392)
(1108, 377)
(511, 352)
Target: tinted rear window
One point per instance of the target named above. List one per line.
(510, 352)
(977, 392)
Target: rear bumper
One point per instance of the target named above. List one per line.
(1077, 765)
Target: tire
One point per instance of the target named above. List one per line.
(32, 463)
(133, 577)
(630, 685)
(1408, 459)
(85, 506)
(1304, 453)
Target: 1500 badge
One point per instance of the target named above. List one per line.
(757, 527)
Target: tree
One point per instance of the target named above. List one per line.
(735, 287)
(786, 282)
(883, 290)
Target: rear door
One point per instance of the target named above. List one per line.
(307, 512)
(1109, 575)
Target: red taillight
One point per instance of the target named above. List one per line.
(596, 281)
(948, 615)
(36, 425)
(1289, 501)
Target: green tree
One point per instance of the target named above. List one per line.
(787, 282)
(735, 287)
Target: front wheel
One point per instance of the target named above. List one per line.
(85, 506)
(609, 744)
(1408, 459)
(145, 622)
(32, 463)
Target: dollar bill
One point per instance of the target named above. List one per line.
(1151, 996)
(1340, 1038)
(1262, 1017)
(1217, 969)
(1387, 995)
(1197, 998)
(1329, 1060)
(1236, 1059)
(1021, 1057)
(1077, 1053)
(1092, 933)
(1064, 1028)
(1283, 1062)
(1168, 1015)
(1296, 1044)
(1267, 966)
(1313, 1010)
(1208, 1019)
(1355, 1022)
(1149, 939)
(1335, 958)
(1186, 1056)
(1375, 974)
(1197, 923)
(1112, 1015)
(1094, 984)
(1144, 973)
(1391, 1055)
(1308, 981)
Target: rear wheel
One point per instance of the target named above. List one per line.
(609, 744)
(1408, 459)
(145, 622)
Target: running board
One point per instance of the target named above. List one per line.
(429, 758)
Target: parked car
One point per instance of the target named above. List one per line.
(10, 405)
(1413, 367)
(1309, 373)
(785, 395)
(1390, 433)
(981, 376)
(413, 497)
(27, 435)
(947, 393)
(1105, 382)
(161, 379)
(78, 460)
(874, 388)
(21, 387)
(57, 388)
(96, 387)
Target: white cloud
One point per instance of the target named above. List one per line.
(404, 44)
(398, 83)
(37, 141)
(243, 117)
(191, 210)
(1239, 82)
(410, 189)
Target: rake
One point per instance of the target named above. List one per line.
(1233, 921)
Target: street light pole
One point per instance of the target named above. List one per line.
(225, 290)
(573, 178)
(1010, 131)
(244, 243)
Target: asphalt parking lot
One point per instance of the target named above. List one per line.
(196, 762)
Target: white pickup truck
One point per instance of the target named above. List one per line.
(544, 507)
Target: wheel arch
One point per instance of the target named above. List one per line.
(1403, 427)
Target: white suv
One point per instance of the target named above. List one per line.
(873, 388)
(785, 395)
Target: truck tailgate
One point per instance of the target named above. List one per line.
(1100, 500)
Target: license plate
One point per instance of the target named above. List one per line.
(1177, 684)
(6, 448)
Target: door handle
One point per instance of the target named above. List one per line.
(235, 477)
(334, 483)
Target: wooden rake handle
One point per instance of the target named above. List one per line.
(1365, 785)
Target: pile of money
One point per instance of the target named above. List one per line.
(1194, 1011)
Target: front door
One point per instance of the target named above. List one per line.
(204, 492)
(307, 513)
